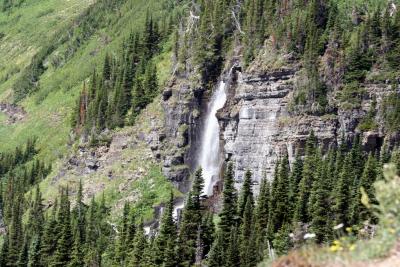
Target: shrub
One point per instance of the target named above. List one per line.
(351, 95)
(391, 112)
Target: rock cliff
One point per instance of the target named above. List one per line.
(182, 104)
(257, 126)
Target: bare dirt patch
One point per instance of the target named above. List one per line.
(13, 112)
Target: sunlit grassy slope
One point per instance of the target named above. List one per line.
(27, 29)
(32, 26)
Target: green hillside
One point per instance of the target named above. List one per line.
(49, 106)
(90, 171)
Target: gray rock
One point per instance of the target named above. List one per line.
(257, 128)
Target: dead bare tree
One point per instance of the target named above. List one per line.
(235, 11)
(193, 18)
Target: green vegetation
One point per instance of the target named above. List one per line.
(21, 163)
(350, 247)
(299, 200)
(338, 43)
(100, 70)
(351, 95)
(391, 112)
(127, 83)
(368, 123)
(51, 105)
(93, 18)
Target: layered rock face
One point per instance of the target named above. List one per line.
(257, 128)
(182, 104)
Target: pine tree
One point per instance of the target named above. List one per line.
(15, 240)
(36, 217)
(48, 246)
(280, 201)
(261, 218)
(232, 254)
(395, 159)
(148, 254)
(150, 37)
(101, 111)
(228, 213)
(165, 241)
(228, 219)
(247, 251)
(358, 60)
(301, 210)
(191, 222)
(121, 243)
(357, 160)
(77, 256)
(150, 83)
(246, 193)
(79, 215)
(107, 68)
(4, 252)
(23, 255)
(104, 228)
(62, 254)
(319, 204)
(294, 181)
(217, 257)
(139, 94)
(342, 193)
(368, 179)
(207, 233)
(131, 232)
(139, 245)
(393, 54)
(92, 256)
(357, 163)
(34, 252)
(331, 170)
(281, 242)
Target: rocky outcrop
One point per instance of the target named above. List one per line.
(121, 159)
(257, 127)
(182, 104)
(13, 112)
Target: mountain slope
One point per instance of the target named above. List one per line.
(92, 30)
(118, 96)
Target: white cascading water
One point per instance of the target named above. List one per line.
(177, 209)
(209, 158)
(209, 150)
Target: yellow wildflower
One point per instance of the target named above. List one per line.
(334, 248)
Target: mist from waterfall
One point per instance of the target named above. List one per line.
(209, 158)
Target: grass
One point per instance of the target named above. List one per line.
(49, 108)
(3, 118)
(28, 28)
(126, 174)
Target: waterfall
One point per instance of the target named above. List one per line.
(209, 158)
(178, 208)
